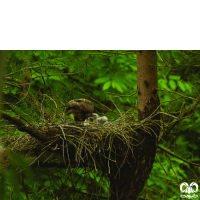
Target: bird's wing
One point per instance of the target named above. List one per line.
(82, 105)
(70, 110)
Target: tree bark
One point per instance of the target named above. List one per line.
(134, 173)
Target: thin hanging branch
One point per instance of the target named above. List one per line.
(173, 154)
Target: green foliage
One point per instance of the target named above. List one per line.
(59, 76)
(106, 85)
(174, 77)
(177, 73)
(181, 85)
(73, 183)
(163, 84)
(172, 84)
(11, 179)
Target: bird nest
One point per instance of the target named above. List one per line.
(97, 151)
(75, 145)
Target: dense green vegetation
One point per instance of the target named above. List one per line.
(109, 80)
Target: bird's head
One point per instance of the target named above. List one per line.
(95, 116)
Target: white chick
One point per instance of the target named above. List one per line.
(99, 120)
(86, 123)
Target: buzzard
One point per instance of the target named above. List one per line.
(82, 109)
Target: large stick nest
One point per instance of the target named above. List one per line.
(74, 145)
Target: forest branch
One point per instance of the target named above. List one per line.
(36, 67)
(178, 94)
(34, 131)
(183, 159)
(184, 113)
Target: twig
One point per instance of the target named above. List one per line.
(55, 66)
(172, 154)
(95, 99)
(59, 74)
(184, 113)
(161, 165)
(51, 100)
(161, 59)
(130, 95)
(178, 94)
(23, 185)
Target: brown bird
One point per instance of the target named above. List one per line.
(82, 109)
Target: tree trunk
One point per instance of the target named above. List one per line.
(134, 173)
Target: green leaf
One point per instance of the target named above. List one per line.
(47, 183)
(174, 77)
(19, 54)
(188, 87)
(106, 85)
(44, 55)
(165, 55)
(131, 77)
(36, 74)
(123, 86)
(178, 61)
(163, 83)
(194, 146)
(71, 116)
(167, 97)
(114, 84)
(112, 59)
(102, 79)
(70, 52)
(38, 52)
(175, 53)
(159, 64)
(56, 78)
(181, 85)
(172, 84)
(119, 87)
